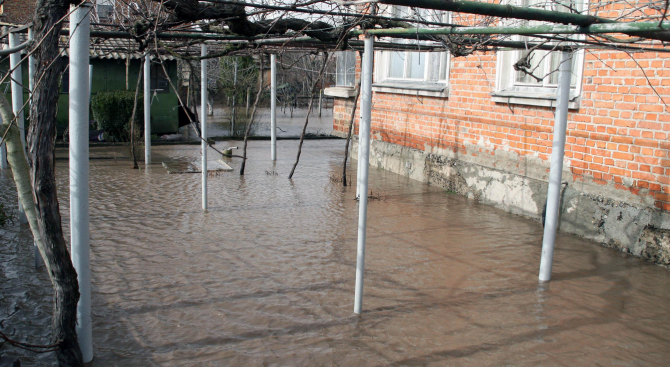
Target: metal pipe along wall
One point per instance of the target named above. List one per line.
(203, 123)
(364, 147)
(556, 169)
(79, 211)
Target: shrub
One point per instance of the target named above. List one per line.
(112, 111)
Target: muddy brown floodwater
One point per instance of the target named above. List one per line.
(266, 276)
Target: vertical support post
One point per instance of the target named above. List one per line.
(556, 170)
(320, 101)
(203, 122)
(90, 84)
(364, 147)
(232, 118)
(17, 100)
(273, 107)
(248, 95)
(3, 148)
(147, 110)
(79, 211)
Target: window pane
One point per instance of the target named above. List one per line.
(417, 65)
(555, 64)
(536, 66)
(396, 64)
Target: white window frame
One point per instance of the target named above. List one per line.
(431, 84)
(510, 91)
(342, 56)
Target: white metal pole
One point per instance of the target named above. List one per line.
(273, 107)
(147, 110)
(90, 84)
(17, 99)
(556, 169)
(203, 123)
(232, 118)
(3, 149)
(79, 211)
(358, 161)
(320, 100)
(364, 147)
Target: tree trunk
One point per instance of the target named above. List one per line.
(349, 134)
(309, 109)
(250, 120)
(41, 139)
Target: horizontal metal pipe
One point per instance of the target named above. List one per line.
(523, 30)
(503, 11)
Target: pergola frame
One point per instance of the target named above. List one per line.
(564, 24)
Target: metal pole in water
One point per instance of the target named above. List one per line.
(3, 149)
(320, 101)
(232, 118)
(273, 107)
(364, 147)
(360, 122)
(90, 84)
(79, 211)
(203, 122)
(147, 109)
(556, 170)
(17, 99)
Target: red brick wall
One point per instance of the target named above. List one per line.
(618, 136)
(17, 11)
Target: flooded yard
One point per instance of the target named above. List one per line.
(265, 277)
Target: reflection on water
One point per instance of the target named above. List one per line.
(266, 276)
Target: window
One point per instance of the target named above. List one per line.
(159, 82)
(538, 85)
(105, 9)
(345, 69)
(413, 72)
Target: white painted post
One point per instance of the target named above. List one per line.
(556, 169)
(3, 149)
(79, 211)
(17, 99)
(273, 107)
(90, 84)
(320, 100)
(248, 95)
(203, 123)
(147, 110)
(364, 147)
(232, 118)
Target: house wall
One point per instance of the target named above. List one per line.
(110, 74)
(616, 156)
(17, 11)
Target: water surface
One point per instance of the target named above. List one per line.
(265, 277)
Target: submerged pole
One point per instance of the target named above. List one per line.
(147, 110)
(556, 170)
(17, 99)
(320, 101)
(203, 122)
(364, 148)
(232, 118)
(273, 107)
(79, 211)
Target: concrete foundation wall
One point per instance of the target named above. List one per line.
(518, 184)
